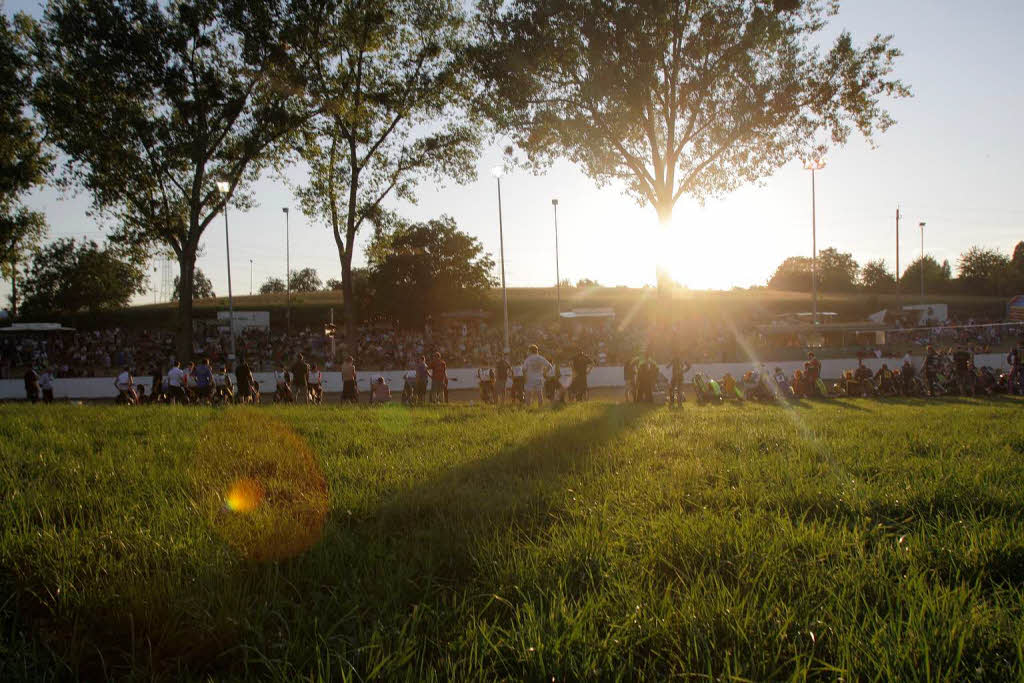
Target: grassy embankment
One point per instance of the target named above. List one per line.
(851, 539)
(537, 305)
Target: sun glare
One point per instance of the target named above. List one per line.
(693, 255)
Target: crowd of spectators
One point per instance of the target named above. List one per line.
(463, 343)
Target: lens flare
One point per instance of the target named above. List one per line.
(244, 495)
(267, 494)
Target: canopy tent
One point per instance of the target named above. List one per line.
(584, 313)
(23, 328)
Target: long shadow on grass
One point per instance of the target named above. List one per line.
(521, 487)
(386, 589)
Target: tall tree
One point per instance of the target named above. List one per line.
(984, 271)
(23, 163)
(202, 288)
(837, 270)
(1017, 260)
(390, 82)
(305, 280)
(426, 268)
(154, 103)
(69, 277)
(792, 275)
(875, 276)
(937, 277)
(273, 285)
(676, 98)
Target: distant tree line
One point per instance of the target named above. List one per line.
(414, 270)
(979, 271)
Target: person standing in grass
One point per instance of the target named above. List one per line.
(349, 388)
(300, 371)
(535, 370)
(315, 380)
(204, 380)
(501, 372)
(518, 385)
(629, 375)
(46, 385)
(438, 379)
(283, 392)
(581, 364)
(157, 386)
(175, 384)
(124, 384)
(675, 387)
(422, 374)
(812, 371)
(931, 369)
(243, 379)
(31, 385)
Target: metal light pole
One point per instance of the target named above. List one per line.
(921, 224)
(558, 275)
(497, 172)
(223, 187)
(814, 166)
(287, 276)
(250, 277)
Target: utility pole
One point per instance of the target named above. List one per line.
(497, 172)
(287, 277)
(558, 275)
(922, 261)
(250, 277)
(897, 254)
(14, 285)
(814, 166)
(223, 188)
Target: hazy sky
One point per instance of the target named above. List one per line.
(953, 160)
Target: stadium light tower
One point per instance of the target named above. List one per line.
(921, 225)
(224, 187)
(287, 277)
(497, 172)
(814, 166)
(558, 276)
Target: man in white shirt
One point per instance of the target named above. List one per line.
(175, 384)
(535, 369)
(314, 379)
(124, 384)
(46, 385)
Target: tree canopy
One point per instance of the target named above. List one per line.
(390, 86)
(23, 162)
(875, 276)
(273, 285)
(152, 104)
(68, 277)
(937, 277)
(985, 271)
(306, 280)
(418, 269)
(674, 98)
(792, 275)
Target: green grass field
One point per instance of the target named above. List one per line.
(850, 540)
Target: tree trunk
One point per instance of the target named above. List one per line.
(186, 282)
(14, 290)
(664, 210)
(348, 292)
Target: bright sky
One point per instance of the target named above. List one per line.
(953, 160)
